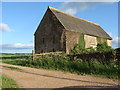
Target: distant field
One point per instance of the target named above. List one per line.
(12, 55)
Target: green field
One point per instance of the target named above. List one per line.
(13, 55)
(81, 67)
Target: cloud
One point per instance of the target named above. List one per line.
(74, 7)
(16, 46)
(5, 28)
(31, 41)
(110, 34)
(116, 42)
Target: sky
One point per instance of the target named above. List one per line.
(20, 20)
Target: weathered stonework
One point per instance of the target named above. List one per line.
(49, 36)
(109, 42)
(90, 41)
(72, 38)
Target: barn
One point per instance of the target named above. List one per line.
(60, 32)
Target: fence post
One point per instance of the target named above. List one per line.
(33, 54)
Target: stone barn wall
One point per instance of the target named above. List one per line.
(72, 38)
(90, 41)
(49, 36)
(109, 42)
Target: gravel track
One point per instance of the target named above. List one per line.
(42, 78)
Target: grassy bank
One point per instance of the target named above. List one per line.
(11, 67)
(8, 82)
(94, 67)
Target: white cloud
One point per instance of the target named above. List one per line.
(116, 42)
(31, 41)
(5, 28)
(16, 46)
(110, 34)
(71, 11)
(19, 45)
(74, 7)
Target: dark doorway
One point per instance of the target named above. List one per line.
(53, 50)
(41, 51)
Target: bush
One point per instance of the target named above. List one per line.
(91, 49)
(103, 47)
(100, 47)
(78, 66)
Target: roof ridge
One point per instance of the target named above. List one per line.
(73, 16)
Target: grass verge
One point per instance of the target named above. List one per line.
(8, 82)
(15, 68)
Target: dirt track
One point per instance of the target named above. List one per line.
(41, 78)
